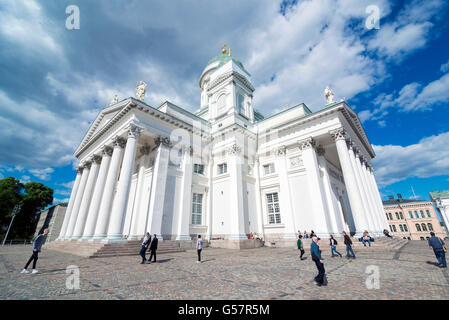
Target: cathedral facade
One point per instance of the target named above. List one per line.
(224, 171)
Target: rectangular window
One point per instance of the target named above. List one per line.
(222, 168)
(410, 214)
(268, 168)
(428, 213)
(391, 217)
(402, 216)
(387, 216)
(397, 215)
(274, 213)
(416, 214)
(422, 213)
(401, 227)
(240, 105)
(405, 228)
(198, 168)
(197, 208)
(394, 228)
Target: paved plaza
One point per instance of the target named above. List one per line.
(265, 273)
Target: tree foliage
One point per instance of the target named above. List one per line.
(31, 196)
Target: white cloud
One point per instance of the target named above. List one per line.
(445, 67)
(427, 158)
(62, 192)
(68, 185)
(43, 174)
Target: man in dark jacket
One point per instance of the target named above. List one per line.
(438, 247)
(348, 243)
(300, 247)
(153, 248)
(37, 246)
(315, 252)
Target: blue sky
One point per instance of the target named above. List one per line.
(54, 81)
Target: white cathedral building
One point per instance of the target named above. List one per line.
(224, 171)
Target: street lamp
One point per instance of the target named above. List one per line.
(14, 212)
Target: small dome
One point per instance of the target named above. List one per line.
(223, 58)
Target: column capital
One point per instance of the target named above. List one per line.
(79, 169)
(87, 164)
(134, 131)
(339, 134)
(107, 151)
(164, 141)
(119, 142)
(281, 151)
(95, 158)
(306, 143)
(234, 150)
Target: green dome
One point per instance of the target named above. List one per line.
(223, 58)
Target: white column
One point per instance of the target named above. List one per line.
(336, 217)
(78, 200)
(322, 224)
(92, 215)
(210, 193)
(339, 136)
(285, 201)
(363, 213)
(138, 220)
(186, 196)
(374, 207)
(260, 229)
(85, 203)
(367, 204)
(104, 212)
(378, 200)
(157, 197)
(237, 212)
(115, 229)
(65, 223)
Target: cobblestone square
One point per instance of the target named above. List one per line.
(265, 273)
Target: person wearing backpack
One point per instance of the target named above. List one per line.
(315, 252)
(300, 247)
(348, 243)
(37, 245)
(333, 244)
(439, 249)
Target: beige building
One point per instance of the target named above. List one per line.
(412, 219)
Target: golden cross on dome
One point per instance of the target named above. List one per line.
(229, 52)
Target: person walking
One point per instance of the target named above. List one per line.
(315, 252)
(366, 238)
(199, 248)
(300, 247)
(333, 244)
(153, 248)
(439, 249)
(348, 243)
(145, 244)
(37, 246)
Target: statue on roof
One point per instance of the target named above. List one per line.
(141, 89)
(114, 100)
(329, 94)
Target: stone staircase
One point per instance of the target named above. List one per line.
(103, 249)
(379, 244)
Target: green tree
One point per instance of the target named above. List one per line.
(32, 197)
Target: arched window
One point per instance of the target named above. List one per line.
(410, 214)
(424, 228)
(394, 228)
(221, 104)
(402, 216)
(422, 213)
(418, 228)
(391, 216)
(428, 213)
(401, 227)
(405, 228)
(429, 225)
